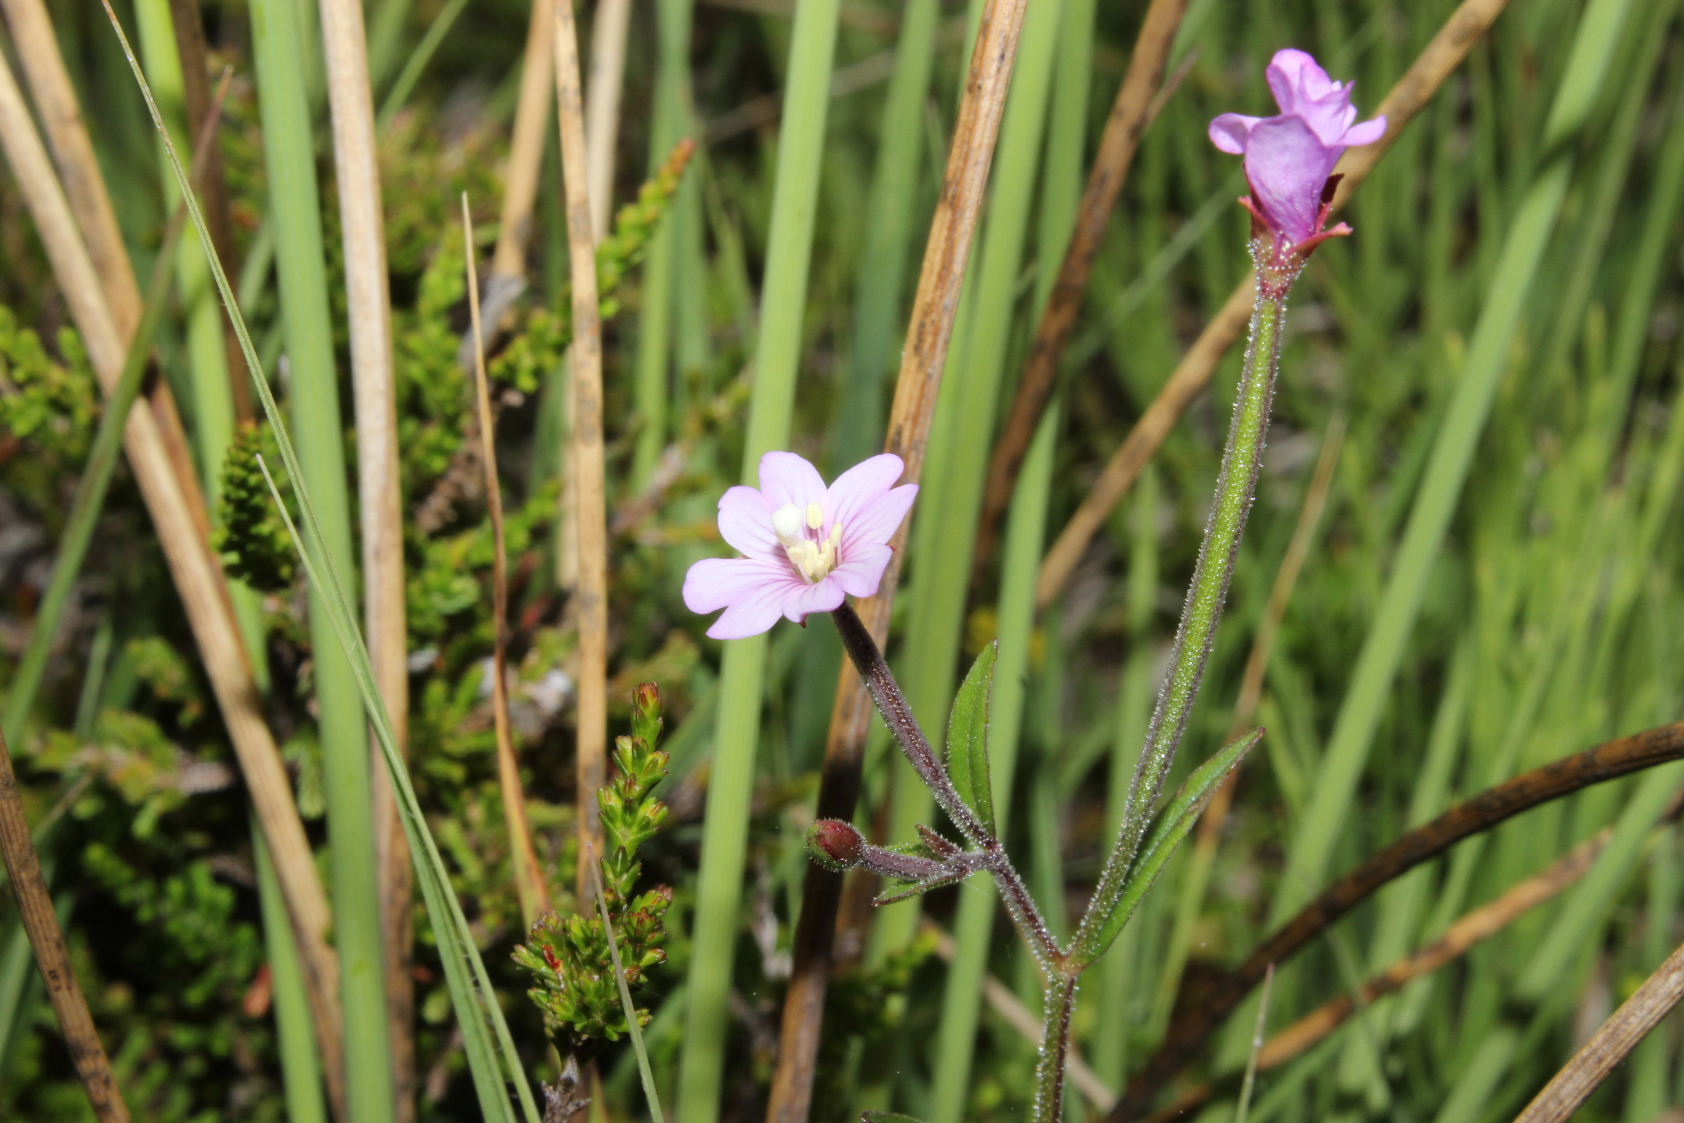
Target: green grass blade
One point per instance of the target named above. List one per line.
(741, 689)
(889, 244)
(289, 150)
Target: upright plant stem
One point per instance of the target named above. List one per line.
(1125, 125)
(379, 496)
(1196, 632)
(301, 1070)
(945, 527)
(209, 391)
(73, 154)
(742, 685)
(290, 158)
(1059, 1004)
(1060, 178)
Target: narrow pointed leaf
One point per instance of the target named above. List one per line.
(967, 738)
(1173, 826)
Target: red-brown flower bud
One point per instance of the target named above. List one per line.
(835, 844)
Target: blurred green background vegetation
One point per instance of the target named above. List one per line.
(1490, 583)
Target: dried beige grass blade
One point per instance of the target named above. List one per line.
(1609, 1045)
(526, 151)
(83, 184)
(602, 105)
(590, 510)
(529, 880)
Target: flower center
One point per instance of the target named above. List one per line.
(814, 555)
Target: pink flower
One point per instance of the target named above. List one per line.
(806, 545)
(1289, 158)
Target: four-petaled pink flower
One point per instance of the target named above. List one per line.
(1288, 158)
(806, 545)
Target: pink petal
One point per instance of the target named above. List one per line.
(1295, 74)
(714, 583)
(745, 521)
(786, 478)
(876, 522)
(1366, 133)
(1287, 166)
(751, 616)
(860, 575)
(822, 597)
(860, 485)
(1231, 132)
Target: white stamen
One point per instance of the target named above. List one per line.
(786, 524)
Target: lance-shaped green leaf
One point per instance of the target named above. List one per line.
(1174, 825)
(966, 751)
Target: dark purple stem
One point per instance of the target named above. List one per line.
(897, 713)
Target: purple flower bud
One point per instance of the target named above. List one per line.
(1289, 157)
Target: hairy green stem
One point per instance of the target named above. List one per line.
(1056, 1008)
(1205, 598)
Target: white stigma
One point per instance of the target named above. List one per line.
(798, 531)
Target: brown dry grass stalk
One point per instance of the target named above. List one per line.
(602, 105)
(177, 510)
(590, 511)
(1192, 1025)
(946, 254)
(40, 923)
(529, 882)
(1460, 938)
(385, 623)
(526, 149)
(1466, 25)
(73, 154)
(1609, 1045)
(1131, 113)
